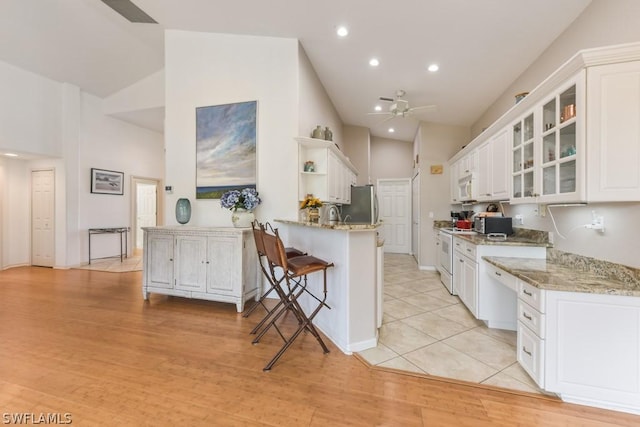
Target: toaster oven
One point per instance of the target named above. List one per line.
(493, 224)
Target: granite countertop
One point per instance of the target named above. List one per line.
(521, 236)
(554, 275)
(340, 226)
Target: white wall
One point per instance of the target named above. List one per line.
(314, 105)
(30, 112)
(63, 129)
(204, 69)
(109, 143)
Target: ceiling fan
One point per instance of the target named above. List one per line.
(400, 107)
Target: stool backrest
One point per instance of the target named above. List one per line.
(258, 231)
(274, 249)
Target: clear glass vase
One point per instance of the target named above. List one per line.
(183, 211)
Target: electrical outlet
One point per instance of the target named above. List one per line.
(519, 219)
(551, 237)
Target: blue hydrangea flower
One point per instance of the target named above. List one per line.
(247, 198)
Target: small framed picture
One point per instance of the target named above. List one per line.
(107, 182)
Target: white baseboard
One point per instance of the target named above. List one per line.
(427, 267)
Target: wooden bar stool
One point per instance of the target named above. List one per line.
(289, 276)
(258, 230)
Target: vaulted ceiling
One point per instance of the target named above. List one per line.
(480, 46)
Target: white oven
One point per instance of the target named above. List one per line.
(446, 260)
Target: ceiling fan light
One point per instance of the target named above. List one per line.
(377, 108)
(342, 31)
(374, 62)
(391, 130)
(433, 68)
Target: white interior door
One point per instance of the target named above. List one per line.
(146, 208)
(415, 217)
(394, 197)
(42, 217)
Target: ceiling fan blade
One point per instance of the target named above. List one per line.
(379, 114)
(384, 98)
(428, 108)
(385, 120)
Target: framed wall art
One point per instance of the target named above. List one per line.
(107, 182)
(225, 148)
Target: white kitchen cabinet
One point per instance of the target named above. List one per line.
(593, 349)
(574, 138)
(493, 172)
(613, 132)
(584, 347)
(465, 274)
(217, 264)
(332, 174)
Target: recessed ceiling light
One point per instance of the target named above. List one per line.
(10, 154)
(433, 68)
(391, 130)
(374, 62)
(342, 31)
(378, 108)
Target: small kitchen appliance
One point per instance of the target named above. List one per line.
(493, 225)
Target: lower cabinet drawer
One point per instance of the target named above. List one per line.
(532, 295)
(531, 354)
(503, 277)
(531, 318)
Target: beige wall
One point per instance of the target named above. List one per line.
(357, 147)
(436, 143)
(603, 22)
(390, 158)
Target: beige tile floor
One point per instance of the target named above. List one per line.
(426, 330)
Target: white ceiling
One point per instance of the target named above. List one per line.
(480, 45)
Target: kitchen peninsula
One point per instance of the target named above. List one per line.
(351, 283)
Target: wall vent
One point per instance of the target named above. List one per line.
(130, 11)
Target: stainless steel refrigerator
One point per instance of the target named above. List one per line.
(364, 206)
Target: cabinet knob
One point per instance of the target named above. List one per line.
(171, 259)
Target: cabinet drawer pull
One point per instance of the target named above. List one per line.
(468, 250)
(526, 316)
(529, 294)
(498, 274)
(526, 351)
(461, 260)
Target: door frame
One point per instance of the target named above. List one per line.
(415, 217)
(407, 181)
(134, 204)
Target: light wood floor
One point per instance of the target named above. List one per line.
(85, 343)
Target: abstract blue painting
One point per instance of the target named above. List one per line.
(225, 148)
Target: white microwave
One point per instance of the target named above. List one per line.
(465, 188)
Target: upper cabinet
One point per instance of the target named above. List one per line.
(613, 132)
(324, 171)
(574, 138)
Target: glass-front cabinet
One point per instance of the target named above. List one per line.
(559, 144)
(523, 171)
(547, 148)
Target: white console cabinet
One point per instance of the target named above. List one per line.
(217, 264)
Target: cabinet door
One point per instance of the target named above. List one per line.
(454, 172)
(191, 255)
(613, 132)
(470, 285)
(499, 166)
(159, 253)
(458, 275)
(523, 160)
(485, 172)
(224, 265)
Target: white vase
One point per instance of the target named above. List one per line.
(242, 218)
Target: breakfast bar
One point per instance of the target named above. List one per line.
(351, 322)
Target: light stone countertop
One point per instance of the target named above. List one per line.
(554, 276)
(340, 226)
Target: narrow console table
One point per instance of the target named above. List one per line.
(120, 230)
